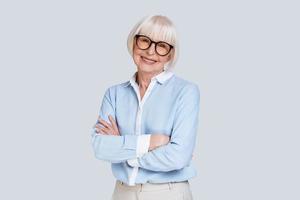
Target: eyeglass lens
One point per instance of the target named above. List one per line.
(161, 48)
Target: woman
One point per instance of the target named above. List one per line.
(147, 126)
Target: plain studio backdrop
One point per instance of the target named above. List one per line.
(58, 57)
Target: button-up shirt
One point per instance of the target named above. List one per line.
(169, 106)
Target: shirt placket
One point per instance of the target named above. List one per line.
(138, 124)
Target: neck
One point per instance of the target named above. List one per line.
(144, 78)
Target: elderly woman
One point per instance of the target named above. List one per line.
(147, 126)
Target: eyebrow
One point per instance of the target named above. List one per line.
(154, 40)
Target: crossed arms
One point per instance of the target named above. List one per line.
(156, 152)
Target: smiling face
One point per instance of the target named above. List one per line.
(148, 60)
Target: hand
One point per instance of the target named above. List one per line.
(157, 140)
(109, 128)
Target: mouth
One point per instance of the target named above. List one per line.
(148, 61)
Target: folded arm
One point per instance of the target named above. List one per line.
(178, 152)
(113, 148)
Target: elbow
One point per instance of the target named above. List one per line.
(180, 157)
(98, 155)
(101, 153)
(107, 158)
(102, 157)
(98, 150)
(176, 162)
(180, 162)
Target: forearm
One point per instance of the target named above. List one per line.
(178, 152)
(165, 158)
(118, 148)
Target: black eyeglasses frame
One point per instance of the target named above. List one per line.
(155, 43)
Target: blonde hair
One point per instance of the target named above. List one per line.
(159, 28)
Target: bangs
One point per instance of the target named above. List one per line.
(158, 28)
(158, 31)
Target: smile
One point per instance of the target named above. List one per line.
(148, 61)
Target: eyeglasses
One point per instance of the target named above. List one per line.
(161, 48)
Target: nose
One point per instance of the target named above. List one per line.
(151, 49)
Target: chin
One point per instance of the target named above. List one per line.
(147, 68)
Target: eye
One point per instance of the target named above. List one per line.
(143, 39)
(162, 45)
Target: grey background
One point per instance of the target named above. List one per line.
(58, 57)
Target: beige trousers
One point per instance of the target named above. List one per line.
(152, 191)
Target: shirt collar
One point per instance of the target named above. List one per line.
(161, 77)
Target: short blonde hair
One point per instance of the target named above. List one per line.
(159, 28)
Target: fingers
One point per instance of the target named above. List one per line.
(103, 122)
(114, 124)
(100, 129)
(105, 130)
(108, 128)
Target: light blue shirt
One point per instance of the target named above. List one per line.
(170, 106)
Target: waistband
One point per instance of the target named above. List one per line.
(152, 186)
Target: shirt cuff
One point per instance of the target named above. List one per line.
(133, 162)
(130, 142)
(143, 143)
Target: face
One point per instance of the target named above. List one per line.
(148, 60)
